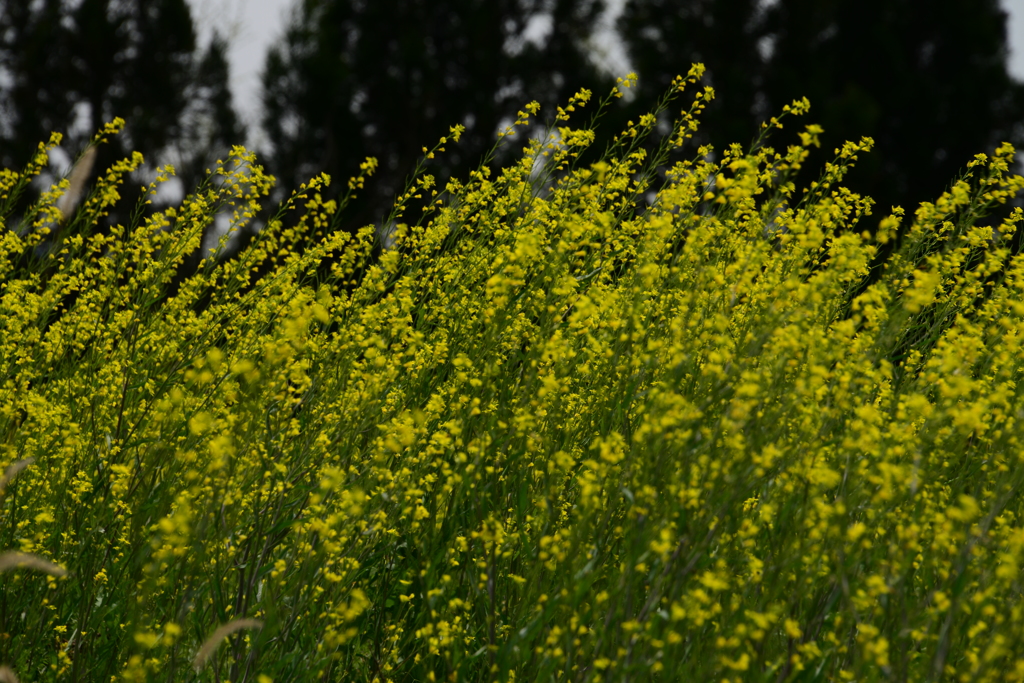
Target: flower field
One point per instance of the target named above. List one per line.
(575, 422)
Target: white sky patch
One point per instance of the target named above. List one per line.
(82, 125)
(609, 52)
(170, 192)
(221, 226)
(1015, 36)
(538, 28)
(250, 27)
(60, 162)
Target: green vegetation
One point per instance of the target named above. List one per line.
(545, 435)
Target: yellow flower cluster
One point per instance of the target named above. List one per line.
(640, 419)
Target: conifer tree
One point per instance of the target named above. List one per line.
(931, 87)
(35, 93)
(383, 78)
(73, 67)
(211, 125)
(664, 37)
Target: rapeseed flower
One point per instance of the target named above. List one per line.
(543, 430)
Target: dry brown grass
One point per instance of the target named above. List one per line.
(15, 560)
(12, 471)
(219, 635)
(79, 174)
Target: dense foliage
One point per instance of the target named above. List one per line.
(543, 435)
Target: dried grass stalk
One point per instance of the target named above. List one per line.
(79, 174)
(219, 635)
(12, 471)
(15, 560)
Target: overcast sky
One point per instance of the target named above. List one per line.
(252, 25)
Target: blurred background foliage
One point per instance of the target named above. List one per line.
(357, 78)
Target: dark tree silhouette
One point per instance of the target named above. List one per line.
(34, 57)
(664, 37)
(211, 125)
(931, 87)
(70, 68)
(384, 78)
